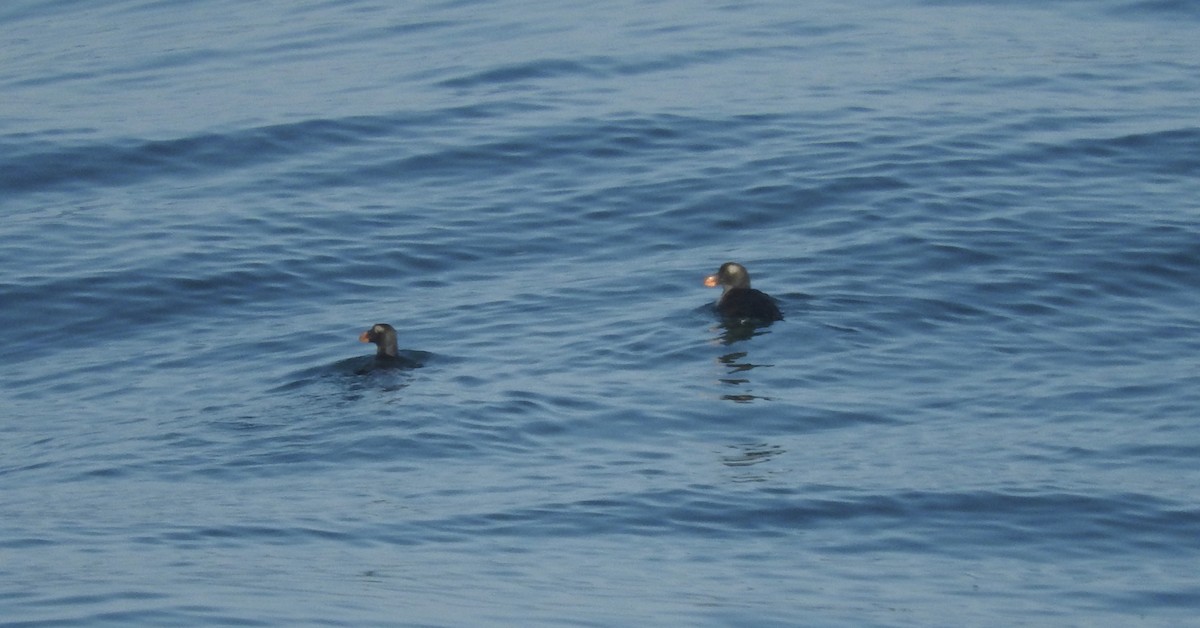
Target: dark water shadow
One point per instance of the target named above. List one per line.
(738, 364)
(738, 367)
(361, 372)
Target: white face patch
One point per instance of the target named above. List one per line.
(736, 274)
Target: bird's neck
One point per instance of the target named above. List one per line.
(387, 349)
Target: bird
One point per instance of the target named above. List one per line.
(384, 337)
(738, 300)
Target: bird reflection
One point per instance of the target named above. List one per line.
(737, 331)
(736, 364)
(749, 455)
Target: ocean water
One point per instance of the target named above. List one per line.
(981, 220)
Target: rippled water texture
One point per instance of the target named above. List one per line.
(979, 219)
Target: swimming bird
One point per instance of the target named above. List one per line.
(384, 337)
(738, 300)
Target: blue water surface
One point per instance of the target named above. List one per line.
(980, 219)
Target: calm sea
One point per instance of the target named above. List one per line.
(980, 218)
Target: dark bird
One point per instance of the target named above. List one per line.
(384, 337)
(738, 300)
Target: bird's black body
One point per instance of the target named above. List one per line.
(748, 303)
